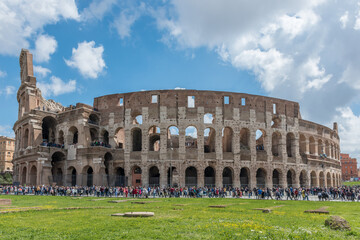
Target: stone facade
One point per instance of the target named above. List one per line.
(7, 147)
(170, 137)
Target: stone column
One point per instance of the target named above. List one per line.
(163, 175)
(307, 146)
(236, 177)
(218, 176)
(200, 175)
(144, 176)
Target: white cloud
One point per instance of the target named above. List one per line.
(8, 90)
(191, 131)
(88, 59)
(2, 74)
(45, 45)
(126, 19)
(56, 87)
(179, 88)
(297, 50)
(344, 19)
(97, 9)
(41, 71)
(349, 131)
(270, 66)
(6, 130)
(22, 19)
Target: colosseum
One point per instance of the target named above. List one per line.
(170, 138)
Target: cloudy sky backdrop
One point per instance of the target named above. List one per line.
(307, 51)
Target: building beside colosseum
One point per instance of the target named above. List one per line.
(170, 137)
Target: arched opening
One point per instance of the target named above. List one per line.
(136, 176)
(57, 162)
(136, 139)
(108, 166)
(328, 180)
(48, 129)
(209, 177)
(227, 136)
(260, 178)
(276, 144)
(173, 137)
(322, 179)
(191, 177)
(303, 179)
(26, 138)
(227, 177)
(33, 176)
(61, 137)
(290, 178)
(94, 119)
(120, 138)
(154, 139)
(290, 144)
(313, 179)
(154, 177)
(89, 177)
(191, 137)
(302, 145)
(244, 139)
(208, 118)
(105, 138)
(94, 135)
(172, 177)
(73, 135)
(276, 178)
(312, 145)
(119, 177)
(138, 120)
(23, 176)
(209, 140)
(260, 140)
(73, 176)
(244, 177)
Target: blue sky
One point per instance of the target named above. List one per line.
(306, 52)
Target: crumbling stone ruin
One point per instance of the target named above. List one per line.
(170, 137)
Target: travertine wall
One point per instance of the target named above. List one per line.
(290, 152)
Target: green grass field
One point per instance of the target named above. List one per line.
(351, 183)
(193, 220)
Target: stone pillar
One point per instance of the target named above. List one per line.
(307, 146)
(163, 175)
(297, 180)
(283, 150)
(145, 177)
(252, 178)
(182, 150)
(218, 176)
(283, 180)
(200, 175)
(269, 180)
(236, 178)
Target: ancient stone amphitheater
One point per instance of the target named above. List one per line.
(170, 137)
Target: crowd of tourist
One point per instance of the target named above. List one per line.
(322, 194)
(99, 143)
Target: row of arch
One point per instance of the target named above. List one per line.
(306, 145)
(191, 175)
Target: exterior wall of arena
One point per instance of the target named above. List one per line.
(170, 137)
